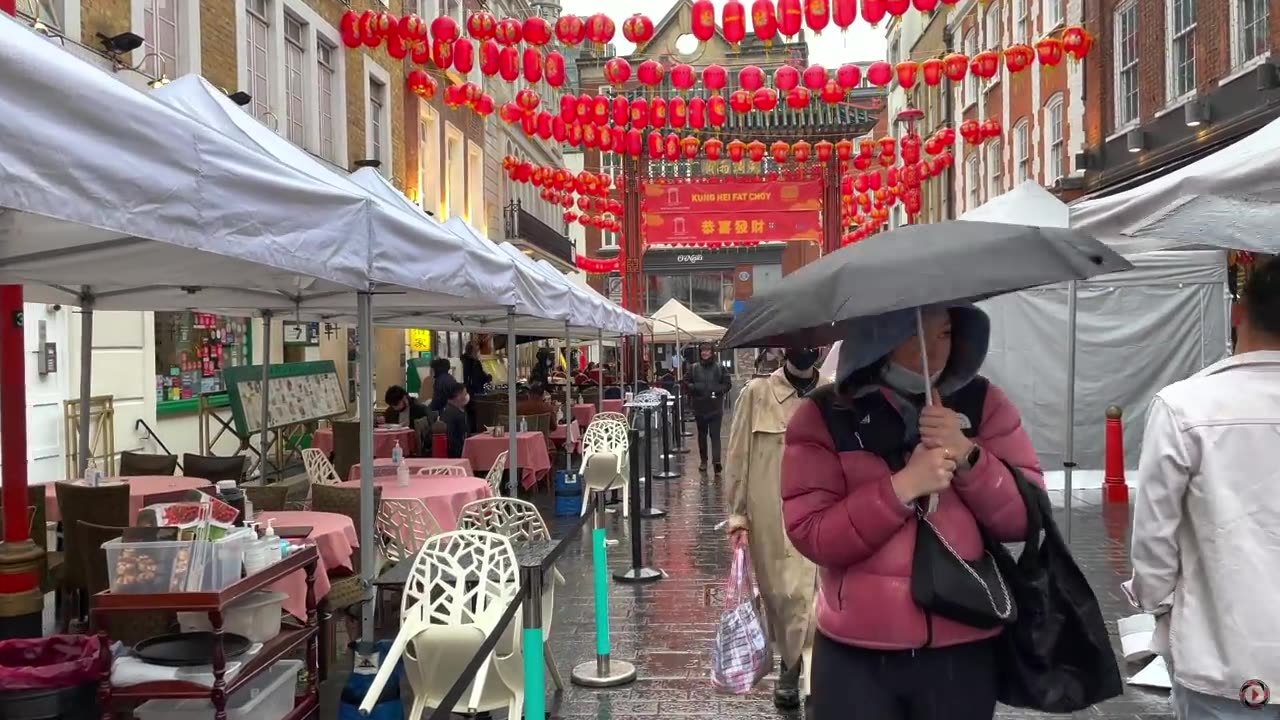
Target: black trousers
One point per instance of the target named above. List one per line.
(951, 683)
(709, 427)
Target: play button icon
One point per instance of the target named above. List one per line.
(1255, 694)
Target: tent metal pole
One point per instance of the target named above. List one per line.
(513, 422)
(1069, 454)
(568, 397)
(86, 381)
(364, 310)
(264, 441)
(600, 352)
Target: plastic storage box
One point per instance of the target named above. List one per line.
(267, 697)
(568, 488)
(157, 567)
(255, 616)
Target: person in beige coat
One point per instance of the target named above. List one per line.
(754, 492)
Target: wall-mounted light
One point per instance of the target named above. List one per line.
(1135, 140)
(1268, 76)
(1196, 113)
(1086, 160)
(159, 82)
(120, 44)
(368, 163)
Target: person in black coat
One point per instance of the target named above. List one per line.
(442, 381)
(454, 417)
(474, 378)
(709, 385)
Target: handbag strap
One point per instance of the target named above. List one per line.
(1039, 516)
(739, 585)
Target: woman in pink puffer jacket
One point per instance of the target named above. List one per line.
(878, 655)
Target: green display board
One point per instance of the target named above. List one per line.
(300, 392)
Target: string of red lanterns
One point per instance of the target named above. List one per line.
(596, 266)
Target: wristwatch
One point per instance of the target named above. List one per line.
(971, 458)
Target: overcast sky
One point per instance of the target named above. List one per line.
(832, 48)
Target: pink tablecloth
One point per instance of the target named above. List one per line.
(613, 406)
(383, 441)
(443, 495)
(140, 487)
(563, 433)
(382, 467)
(336, 541)
(534, 461)
(583, 413)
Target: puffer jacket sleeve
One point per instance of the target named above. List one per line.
(988, 488)
(829, 524)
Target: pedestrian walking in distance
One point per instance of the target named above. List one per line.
(709, 385)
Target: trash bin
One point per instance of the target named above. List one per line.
(53, 678)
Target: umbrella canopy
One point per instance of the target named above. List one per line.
(912, 267)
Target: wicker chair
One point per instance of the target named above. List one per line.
(272, 498)
(345, 591)
(346, 446)
(213, 468)
(106, 505)
(134, 464)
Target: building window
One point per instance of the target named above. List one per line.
(709, 292)
(1021, 23)
(258, 60)
(610, 164)
(972, 180)
(377, 120)
(1053, 140)
(327, 91)
(995, 168)
(295, 53)
(1053, 12)
(1126, 54)
(1022, 152)
(429, 158)
(991, 23)
(1182, 48)
(970, 80)
(1249, 20)
(160, 33)
(475, 187)
(455, 172)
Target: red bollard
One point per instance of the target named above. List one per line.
(1114, 487)
(439, 441)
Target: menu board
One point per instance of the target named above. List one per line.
(299, 392)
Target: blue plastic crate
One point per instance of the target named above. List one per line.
(568, 483)
(568, 505)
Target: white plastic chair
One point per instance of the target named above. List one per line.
(319, 470)
(442, 471)
(519, 521)
(607, 416)
(404, 525)
(605, 462)
(458, 588)
(494, 476)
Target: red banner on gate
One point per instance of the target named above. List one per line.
(708, 213)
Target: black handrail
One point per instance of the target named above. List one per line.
(152, 434)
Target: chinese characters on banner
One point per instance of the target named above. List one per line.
(728, 213)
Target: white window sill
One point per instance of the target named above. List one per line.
(995, 83)
(1121, 132)
(1244, 69)
(1055, 27)
(969, 105)
(1175, 103)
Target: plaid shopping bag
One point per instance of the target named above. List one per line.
(740, 653)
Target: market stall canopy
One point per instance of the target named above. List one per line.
(400, 249)
(108, 194)
(1228, 199)
(690, 325)
(1026, 204)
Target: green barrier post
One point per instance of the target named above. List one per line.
(604, 672)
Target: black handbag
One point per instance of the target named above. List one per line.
(1057, 657)
(947, 585)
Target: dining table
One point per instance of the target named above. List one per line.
(384, 467)
(612, 405)
(141, 487)
(384, 440)
(583, 413)
(482, 449)
(336, 542)
(444, 495)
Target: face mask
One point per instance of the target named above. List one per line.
(802, 358)
(907, 381)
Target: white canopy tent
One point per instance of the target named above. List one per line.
(1229, 199)
(673, 322)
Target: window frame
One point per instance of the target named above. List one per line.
(329, 69)
(1239, 60)
(992, 35)
(375, 73)
(1022, 167)
(1055, 160)
(1021, 21)
(971, 89)
(1053, 13)
(475, 213)
(1123, 91)
(455, 200)
(995, 168)
(973, 181)
(295, 78)
(1175, 91)
(430, 189)
(186, 59)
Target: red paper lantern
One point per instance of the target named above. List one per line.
(751, 78)
(481, 25)
(489, 52)
(897, 8)
(755, 150)
(420, 83)
(764, 20)
(780, 150)
(369, 33)
(638, 30)
(590, 135)
(464, 55)
(717, 111)
(571, 217)
(601, 106)
(683, 77)
(617, 139)
(635, 142)
(971, 131)
(600, 30)
(832, 93)
(947, 135)
(677, 112)
(621, 111)
(873, 11)
(790, 18)
(569, 107)
(800, 151)
(844, 150)
(910, 145)
(955, 66)
(990, 129)
(931, 71)
(671, 147)
(849, 76)
(1049, 51)
(536, 30)
(690, 147)
(617, 71)
(734, 23)
(714, 78)
(798, 98)
(559, 128)
(985, 64)
(453, 96)
(508, 32)
(815, 76)
(697, 113)
(740, 101)
(349, 28)
(933, 145)
(1018, 58)
(396, 47)
(553, 69)
(658, 113)
(713, 148)
(823, 149)
(528, 100)
(444, 29)
(413, 28)
(765, 99)
(785, 78)
(655, 145)
(703, 20)
(1076, 41)
(737, 150)
(640, 113)
(509, 63)
(570, 30)
(442, 53)
(650, 73)
(880, 73)
(866, 147)
(925, 6)
(844, 13)
(906, 72)
(510, 112)
(483, 105)
(817, 15)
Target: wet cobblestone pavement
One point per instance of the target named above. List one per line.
(665, 628)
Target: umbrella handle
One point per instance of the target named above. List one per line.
(928, 383)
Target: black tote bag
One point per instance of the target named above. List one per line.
(1057, 656)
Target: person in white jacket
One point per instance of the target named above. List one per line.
(1206, 527)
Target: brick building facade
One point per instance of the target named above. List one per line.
(1170, 80)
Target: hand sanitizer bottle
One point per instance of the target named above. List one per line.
(397, 455)
(92, 476)
(271, 543)
(402, 474)
(524, 425)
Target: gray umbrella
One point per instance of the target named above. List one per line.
(913, 267)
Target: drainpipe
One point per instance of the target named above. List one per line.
(949, 100)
